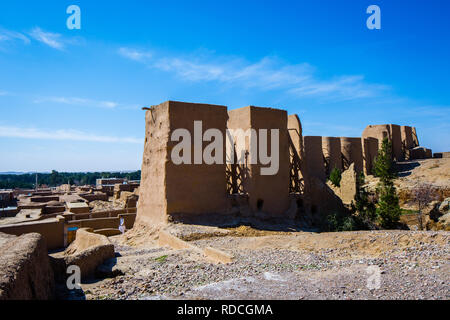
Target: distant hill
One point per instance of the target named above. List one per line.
(15, 172)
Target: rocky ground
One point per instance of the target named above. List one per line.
(25, 215)
(99, 205)
(435, 172)
(290, 265)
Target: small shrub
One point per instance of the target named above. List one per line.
(364, 206)
(423, 194)
(335, 177)
(348, 224)
(162, 258)
(336, 222)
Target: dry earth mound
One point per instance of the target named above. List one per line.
(88, 251)
(25, 271)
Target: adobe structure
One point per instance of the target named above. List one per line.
(351, 150)
(228, 188)
(276, 198)
(404, 140)
(332, 153)
(185, 189)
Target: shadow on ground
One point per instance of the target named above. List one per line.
(404, 169)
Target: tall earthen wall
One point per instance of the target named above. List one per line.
(402, 138)
(407, 137)
(415, 137)
(332, 152)
(351, 149)
(267, 194)
(370, 152)
(175, 190)
(396, 138)
(314, 160)
(379, 132)
(295, 132)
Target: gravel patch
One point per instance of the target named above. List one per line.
(417, 270)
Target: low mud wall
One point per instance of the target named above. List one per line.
(129, 219)
(44, 199)
(25, 271)
(100, 223)
(56, 209)
(94, 197)
(52, 230)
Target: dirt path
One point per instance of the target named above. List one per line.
(410, 265)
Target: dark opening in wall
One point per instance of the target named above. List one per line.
(259, 204)
(313, 209)
(299, 203)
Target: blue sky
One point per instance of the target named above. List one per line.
(71, 100)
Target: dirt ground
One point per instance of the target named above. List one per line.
(283, 265)
(435, 172)
(34, 215)
(288, 264)
(99, 205)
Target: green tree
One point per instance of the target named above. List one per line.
(363, 205)
(388, 210)
(383, 166)
(54, 178)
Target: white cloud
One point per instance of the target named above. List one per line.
(345, 87)
(134, 54)
(7, 35)
(73, 135)
(267, 74)
(3, 93)
(53, 40)
(440, 112)
(79, 102)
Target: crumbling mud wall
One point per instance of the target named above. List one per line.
(171, 190)
(296, 134)
(236, 185)
(396, 138)
(52, 230)
(415, 137)
(380, 132)
(351, 149)
(314, 160)
(370, 152)
(321, 200)
(348, 185)
(407, 138)
(332, 153)
(297, 156)
(88, 251)
(417, 153)
(25, 271)
(268, 194)
(403, 139)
